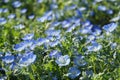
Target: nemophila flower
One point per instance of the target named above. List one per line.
(102, 8)
(70, 29)
(5, 1)
(48, 13)
(2, 21)
(5, 10)
(24, 10)
(66, 24)
(55, 24)
(11, 16)
(98, 0)
(42, 19)
(54, 43)
(52, 32)
(63, 60)
(27, 59)
(82, 8)
(1, 10)
(34, 44)
(78, 13)
(96, 30)
(110, 27)
(21, 46)
(20, 26)
(8, 58)
(79, 60)
(16, 4)
(31, 16)
(41, 41)
(91, 37)
(77, 22)
(39, 1)
(94, 47)
(45, 17)
(53, 6)
(28, 36)
(86, 23)
(55, 54)
(73, 72)
(109, 11)
(85, 31)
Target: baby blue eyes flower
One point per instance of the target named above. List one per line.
(41, 41)
(17, 4)
(109, 11)
(2, 21)
(20, 26)
(31, 16)
(8, 58)
(52, 32)
(11, 16)
(27, 59)
(73, 72)
(28, 36)
(79, 61)
(23, 11)
(102, 8)
(94, 47)
(39, 1)
(21, 46)
(66, 24)
(54, 54)
(63, 60)
(110, 27)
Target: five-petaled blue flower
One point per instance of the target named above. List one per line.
(63, 60)
(73, 72)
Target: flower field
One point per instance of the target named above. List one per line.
(59, 39)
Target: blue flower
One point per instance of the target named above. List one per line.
(63, 60)
(102, 8)
(8, 58)
(31, 16)
(2, 21)
(20, 26)
(110, 11)
(16, 4)
(5, 1)
(11, 16)
(85, 31)
(41, 41)
(23, 11)
(66, 24)
(54, 54)
(39, 1)
(28, 36)
(52, 32)
(79, 60)
(70, 29)
(27, 59)
(110, 27)
(73, 72)
(54, 43)
(94, 47)
(21, 46)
